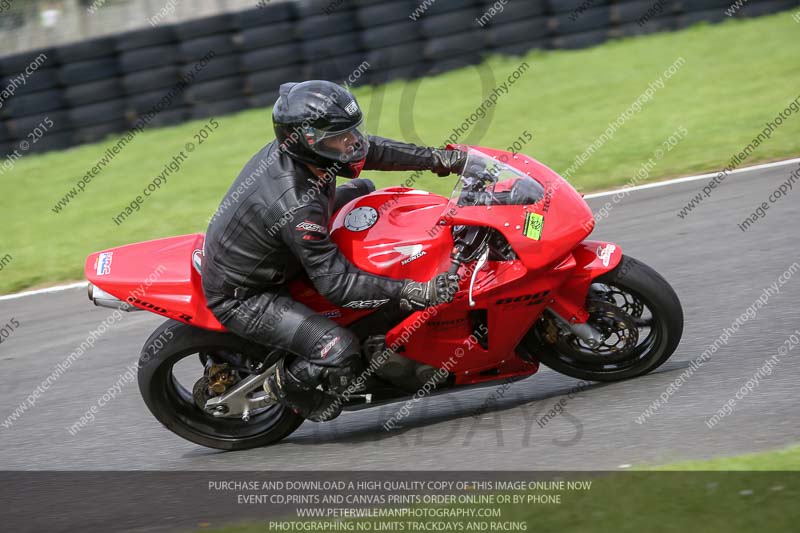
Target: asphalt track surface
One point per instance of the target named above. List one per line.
(717, 270)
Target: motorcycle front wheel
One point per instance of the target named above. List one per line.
(176, 349)
(637, 312)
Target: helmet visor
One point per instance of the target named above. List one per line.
(344, 146)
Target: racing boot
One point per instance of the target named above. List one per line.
(295, 385)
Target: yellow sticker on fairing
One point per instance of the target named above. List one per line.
(534, 223)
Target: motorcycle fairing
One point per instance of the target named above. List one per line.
(410, 238)
(159, 276)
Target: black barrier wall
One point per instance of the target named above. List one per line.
(83, 92)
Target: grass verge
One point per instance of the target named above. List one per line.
(735, 77)
(722, 495)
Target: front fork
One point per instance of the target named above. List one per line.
(589, 260)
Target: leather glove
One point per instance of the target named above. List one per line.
(416, 296)
(448, 161)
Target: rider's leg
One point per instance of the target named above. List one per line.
(323, 353)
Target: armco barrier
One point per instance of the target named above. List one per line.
(86, 91)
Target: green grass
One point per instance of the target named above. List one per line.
(737, 76)
(713, 496)
(781, 460)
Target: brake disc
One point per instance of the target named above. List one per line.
(619, 330)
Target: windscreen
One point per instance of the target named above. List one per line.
(489, 181)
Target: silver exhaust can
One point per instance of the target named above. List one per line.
(101, 298)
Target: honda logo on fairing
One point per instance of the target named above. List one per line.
(413, 252)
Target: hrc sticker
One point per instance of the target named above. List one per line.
(104, 263)
(534, 223)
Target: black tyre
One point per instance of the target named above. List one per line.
(142, 103)
(52, 141)
(652, 26)
(93, 92)
(168, 117)
(580, 40)
(323, 25)
(203, 26)
(40, 80)
(100, 132)
(148, 80)
(35, 103)
(18, 128)
(144, 38)
(436, 8)
(17, 63)
(310, 8)
(450, 22)
(86, 71)
(407, 72)
(90, 115)
(633, 11)
(197, 49)
(272, 57)
(261, 37)
(766, 8)
(444, 48)
(331, 46)
(395, 56)
(390, 34)
(219, 67)
(515, 11)
(565, 6)
(213, 91)
(384, 13)
(641, 319)
(701, 5)
(174, 405)
(711, 16)
(146, 58)
(521, 49)
(452, 63)
(339, 68)
(515, 32)
(591, 19)
(259, 100)
(83, 50)
(6, 148)
(270, 80)
(263, 15)
(219, 108)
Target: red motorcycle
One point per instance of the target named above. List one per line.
(532, 291)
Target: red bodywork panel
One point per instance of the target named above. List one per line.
(411, 238)
(158, 276)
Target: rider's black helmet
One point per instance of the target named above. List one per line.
(320, 123)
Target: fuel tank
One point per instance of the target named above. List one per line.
(395, 232)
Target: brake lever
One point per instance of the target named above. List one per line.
(481, 263)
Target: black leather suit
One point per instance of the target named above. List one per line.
(271, 227)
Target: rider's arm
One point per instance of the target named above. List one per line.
(387, 154)
(332, 274)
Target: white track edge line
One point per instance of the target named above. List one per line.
(59, 288)
(692, 178)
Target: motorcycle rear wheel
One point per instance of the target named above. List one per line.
(174, 406)
(618, 299)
